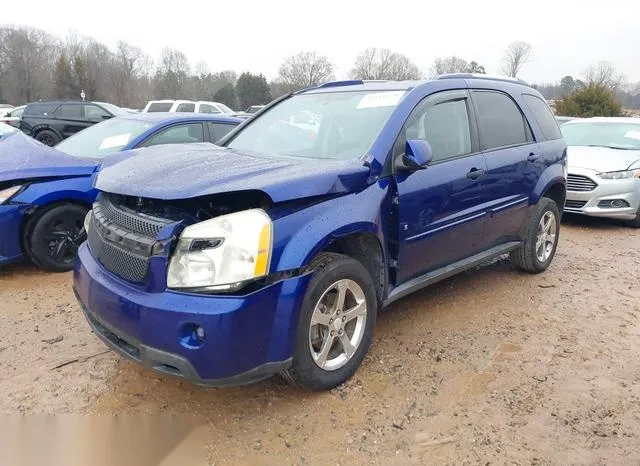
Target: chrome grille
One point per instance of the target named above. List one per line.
(125, 264)
(580, 183)
(122, 240)
(574, 205)
(130, 220)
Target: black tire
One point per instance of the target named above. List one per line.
(47, 137)
(330, 268)
(56, 229)
(525, 257)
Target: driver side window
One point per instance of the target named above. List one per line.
(444, 125)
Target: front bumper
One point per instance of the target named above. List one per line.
(588, 202)
(248, 338)
(11, 216)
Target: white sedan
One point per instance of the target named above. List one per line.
(604, 167)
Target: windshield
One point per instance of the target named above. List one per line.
(115, 110)
(104, 138)
(622, 136)
(224, 108)
(332, 125)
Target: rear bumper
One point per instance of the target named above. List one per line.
(11, 216)
(589, 202)
(248, 338)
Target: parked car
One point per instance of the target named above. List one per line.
(604, 168)
(254, 108)
(12, 117)
(4, 108)
(190, 106)
(45, 192)
(6, 130)
(279, 261)
(51, 122)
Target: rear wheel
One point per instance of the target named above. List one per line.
(52, 236)
(336, 323)
(541, 239)
(47, 137)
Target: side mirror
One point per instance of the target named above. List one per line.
(107, 117)
(417, 155)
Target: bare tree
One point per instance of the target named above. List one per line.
(604, 74)
(27, 61)
(305, 69)
(515, 57)
(172, 73)
(374, 63)
(451, 64)
(131, 66)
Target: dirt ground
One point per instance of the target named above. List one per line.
(489, 367)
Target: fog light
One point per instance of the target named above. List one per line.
(619, 204)
(200, 333)
(613, 204)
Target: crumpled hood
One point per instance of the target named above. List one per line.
(22, 157)
(182, 171)
(601, 159)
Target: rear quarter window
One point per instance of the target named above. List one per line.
(544, 117)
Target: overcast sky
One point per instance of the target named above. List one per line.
(256, 35)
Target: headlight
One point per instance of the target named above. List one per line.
(221, 253)
(621, 175)
(8, 193)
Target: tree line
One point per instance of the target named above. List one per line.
(35, 65)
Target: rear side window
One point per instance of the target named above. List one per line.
(205, 108)
(543, 115)
(186, 108)
(500, 121)
(217, 130)
(70, 111)
(178, 134)
(160, 107)
(39, 109)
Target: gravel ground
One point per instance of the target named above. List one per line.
(492, 366)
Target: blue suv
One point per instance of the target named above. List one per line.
(275, 252)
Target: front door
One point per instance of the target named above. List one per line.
(442, 208)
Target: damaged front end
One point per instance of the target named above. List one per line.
(220, 243)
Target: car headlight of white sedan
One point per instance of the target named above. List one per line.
(620, 175)
(221, 253)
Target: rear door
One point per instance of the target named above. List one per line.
(70, 119)
(441, 208)
(510, 152)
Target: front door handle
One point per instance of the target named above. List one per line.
(533, 157)
(475, 173)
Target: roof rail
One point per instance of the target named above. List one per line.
(489, 77)
(350, 82)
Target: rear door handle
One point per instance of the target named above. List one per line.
(533, 157)
(475, 173)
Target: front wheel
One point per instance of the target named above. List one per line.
(541, 239)
(52, 236)
(336, 323)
